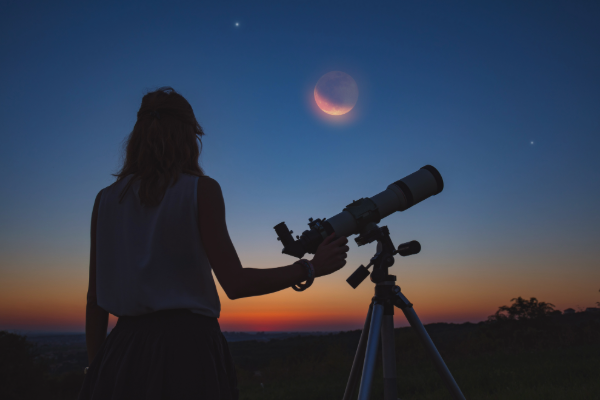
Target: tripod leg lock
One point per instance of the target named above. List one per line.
(401, 301)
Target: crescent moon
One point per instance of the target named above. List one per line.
(336, 93)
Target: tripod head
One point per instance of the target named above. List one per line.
(384, 256)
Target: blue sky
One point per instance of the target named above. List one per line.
(502, 97)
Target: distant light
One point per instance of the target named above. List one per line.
(532, 142)
(237, 24)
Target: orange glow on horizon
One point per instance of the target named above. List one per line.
(54, 299)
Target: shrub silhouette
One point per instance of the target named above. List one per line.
(532, 324)
(21, 377)
(522, 309)
(25, 376)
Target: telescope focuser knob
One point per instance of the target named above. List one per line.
(358, 276)
(409, 248)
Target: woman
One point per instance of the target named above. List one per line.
(157, 233)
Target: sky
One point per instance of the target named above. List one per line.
(503, 98)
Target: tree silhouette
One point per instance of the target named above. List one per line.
(522, 309)
(21, 377)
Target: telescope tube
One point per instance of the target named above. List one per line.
(398, 196)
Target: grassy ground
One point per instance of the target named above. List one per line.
(569, 373)
(554, 357)
(545, 358)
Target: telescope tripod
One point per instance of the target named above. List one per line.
(380, 323)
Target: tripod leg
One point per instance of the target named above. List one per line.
(371, 353)
(359, 358)
(390, 386)
(439, 363)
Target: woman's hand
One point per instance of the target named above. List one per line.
(331, 255)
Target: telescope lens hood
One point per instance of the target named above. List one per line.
(438, 177)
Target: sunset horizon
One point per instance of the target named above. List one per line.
(299, 200)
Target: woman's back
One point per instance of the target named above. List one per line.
(152, 258)
(153, 246)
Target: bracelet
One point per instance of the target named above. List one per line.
(311, 276)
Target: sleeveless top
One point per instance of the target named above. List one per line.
(151, 258)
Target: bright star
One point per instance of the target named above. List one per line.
(237, 24)
(532, 142)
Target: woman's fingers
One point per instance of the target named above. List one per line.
(340, 241)
(331, 255)
(332, 241)
(343, 249)
(328, 239)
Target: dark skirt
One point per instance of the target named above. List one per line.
(172, 354)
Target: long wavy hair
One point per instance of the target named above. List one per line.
(165, 142)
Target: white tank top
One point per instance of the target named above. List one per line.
(152, 258)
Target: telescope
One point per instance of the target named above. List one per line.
(361, 217)
(362, 213)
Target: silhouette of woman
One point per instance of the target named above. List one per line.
(156, 235)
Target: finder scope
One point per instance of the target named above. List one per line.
(398, 196)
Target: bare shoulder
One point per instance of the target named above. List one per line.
(209, 186)
(210, 196)
(97, 201)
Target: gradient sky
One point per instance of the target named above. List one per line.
(502, 97)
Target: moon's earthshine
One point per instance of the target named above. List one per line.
(336, 93)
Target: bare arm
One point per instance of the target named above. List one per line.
(96, 319)
(238, 282)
